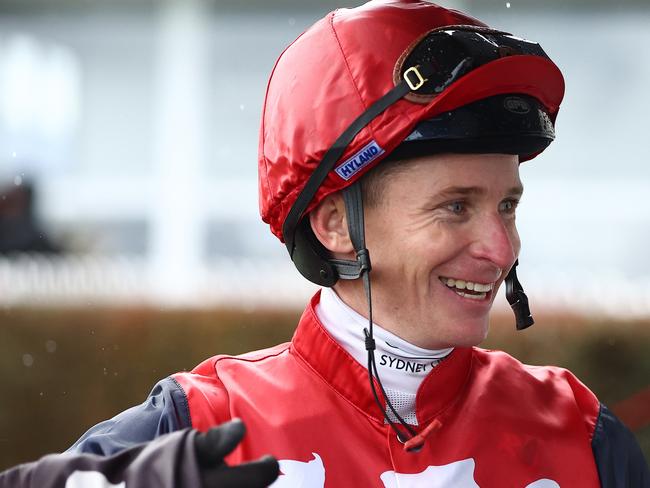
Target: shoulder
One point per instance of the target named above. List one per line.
(549, 386)
(543, 377)
(618, 456)
(198, 399)
(211, 371)
(164, 410)
(207, 387)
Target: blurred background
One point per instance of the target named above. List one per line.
(130, 240)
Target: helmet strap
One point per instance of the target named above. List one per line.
(334, 153)
(354, 211)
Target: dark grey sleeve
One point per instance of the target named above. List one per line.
(618, 456)
(167, 462)
(165, 410)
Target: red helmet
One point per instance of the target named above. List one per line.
(352, 58)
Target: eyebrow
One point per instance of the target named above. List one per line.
(453, 191)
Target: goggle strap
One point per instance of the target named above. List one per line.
(335, 152)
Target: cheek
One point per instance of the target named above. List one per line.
(446, 241)
(436, 249)
(405, 258)
(514, 238)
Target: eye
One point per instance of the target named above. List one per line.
(508, 206)
(457, 208)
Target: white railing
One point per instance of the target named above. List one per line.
(40, 280)
(37, 280)
(33, 279)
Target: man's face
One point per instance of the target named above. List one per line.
(445, 225)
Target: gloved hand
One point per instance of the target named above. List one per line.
(213, 445)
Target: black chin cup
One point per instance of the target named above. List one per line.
(311, 258)
(518, 299)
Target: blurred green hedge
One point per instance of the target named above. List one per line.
(65, 369)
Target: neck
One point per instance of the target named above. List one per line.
(402, 366)
(352, 293)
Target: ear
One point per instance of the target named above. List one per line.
(329, 223)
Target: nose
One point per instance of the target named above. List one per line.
(497, 241)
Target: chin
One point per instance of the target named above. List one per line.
(468, 335)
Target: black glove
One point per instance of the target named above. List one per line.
(212, 446)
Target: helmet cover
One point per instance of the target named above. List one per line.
(346, 61)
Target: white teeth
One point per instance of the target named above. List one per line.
(468, 285)
(479, 296)
(483, 288)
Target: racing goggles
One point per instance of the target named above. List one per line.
(444, 55)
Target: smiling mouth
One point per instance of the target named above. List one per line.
(468, 289)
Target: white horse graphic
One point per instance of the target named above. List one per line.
(459, 474)
(90, 479)
(296, 474)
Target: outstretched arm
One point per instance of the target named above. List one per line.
(165, 410)
(184, 458)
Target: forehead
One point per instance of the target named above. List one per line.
(489, 173)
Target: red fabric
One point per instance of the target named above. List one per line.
(340, 66)
(516, 423)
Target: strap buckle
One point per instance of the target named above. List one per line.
(416, 81)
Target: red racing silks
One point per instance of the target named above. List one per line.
(499, 423)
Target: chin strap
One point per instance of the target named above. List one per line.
(518, 299)
(354, 211)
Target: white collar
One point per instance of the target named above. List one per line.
(402, 366)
